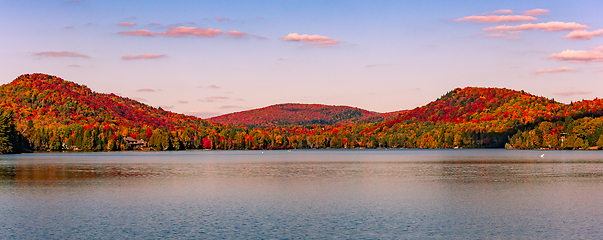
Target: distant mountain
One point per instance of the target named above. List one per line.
(302, 114)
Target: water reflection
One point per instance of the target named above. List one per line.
(30, 172)
(303, 194)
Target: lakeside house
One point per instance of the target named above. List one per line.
(135, 143)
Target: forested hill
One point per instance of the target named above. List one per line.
(479, 105)
(54, 114)
(490, 117)
(47, 101)
(51, 114)
(302, 114)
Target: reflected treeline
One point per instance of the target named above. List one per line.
(51, 174)
(470, 172)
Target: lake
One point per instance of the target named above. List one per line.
(308, 194)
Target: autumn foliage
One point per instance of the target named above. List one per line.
(301, 114)
(58, 115)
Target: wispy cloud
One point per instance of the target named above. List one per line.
(594, 55)
(61, 54)
(555, 70)
(214, 86)
(547, 27)
(182, 101)
(496, 19)
(222, 19)
(536, 12)
(143, 56)
(572, 92)
(68, 27)
(496, 35)
(584, 35)
(497, 12)
(77, 1)
(177, 32)
(74, 65)
(239, 35)
(145, 90)
(126, 24)
(311, 39)
(153, 24)
(213, 99)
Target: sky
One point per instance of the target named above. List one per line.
(206, 58)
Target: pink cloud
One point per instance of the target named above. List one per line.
(537, 12)
(595, 55)
(177, 32)
(496, 19)
(154, 24)
(222, 19)
(261, 18)
(143, 56)
(584, 35)
(239, 35)
(214, 86)
(127, 24)
(370, 65)
(555, 70)
(61, 54)
(502, 11)
(192, 31)
(145, 90)
(496, 35)
(547, 27)
(182, 101)
(311, 39)
(74, 65)
(236, 34)
(213, 99)
(68, 27)
(145, 33)
(572, 92)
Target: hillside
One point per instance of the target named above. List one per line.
(57, 114)
(301, 114)
(478, 105)
(52, 114)
(51, 101)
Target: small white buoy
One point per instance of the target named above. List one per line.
(542, 156)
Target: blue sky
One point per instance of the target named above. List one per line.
(207, 58)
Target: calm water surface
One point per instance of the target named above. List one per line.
(346, 194)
